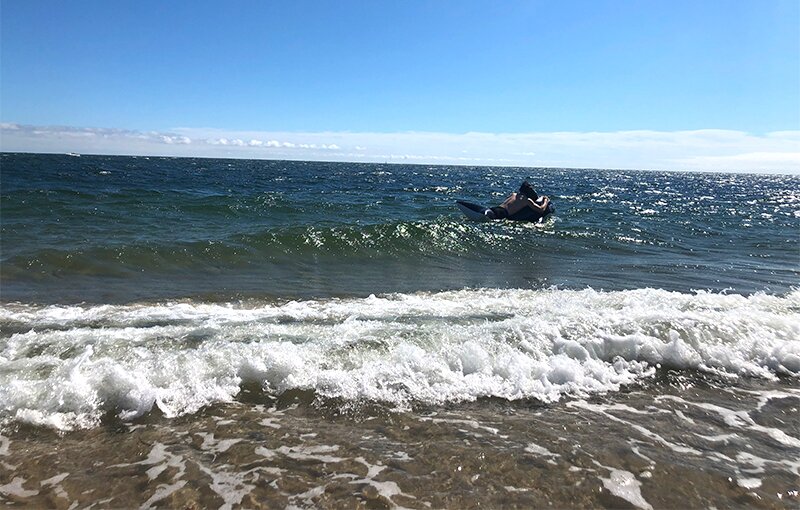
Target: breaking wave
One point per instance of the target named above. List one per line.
(67, 366)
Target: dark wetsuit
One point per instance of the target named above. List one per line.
(499, 213)
(524, 214)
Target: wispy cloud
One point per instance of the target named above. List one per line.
(710, 149)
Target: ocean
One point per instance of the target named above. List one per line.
(211, 333)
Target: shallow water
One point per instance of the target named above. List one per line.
(674, 441)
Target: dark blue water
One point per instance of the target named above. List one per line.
(122, 229)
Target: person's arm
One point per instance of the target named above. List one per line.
(538, 207)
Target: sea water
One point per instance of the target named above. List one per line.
(225, 333)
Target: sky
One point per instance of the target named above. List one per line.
(661, 84)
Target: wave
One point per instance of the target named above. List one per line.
(67, 366)
(395, 239)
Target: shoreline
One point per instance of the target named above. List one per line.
(684, 441)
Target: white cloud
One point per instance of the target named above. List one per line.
(743, 160)
(175, 139)
(709, 149)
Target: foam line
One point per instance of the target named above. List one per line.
(64, 366)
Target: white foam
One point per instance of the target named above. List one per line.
(470, 423)
(387, 489)
(16, 488)
(55, 480)
(604, 410)
(683, 417)
(73, 363)
(764, 396)
(272, 423)
(740, 420)
(231, 487)
(316, 453)
(624, 484)
(749, 483)
(55, 484)
(541, 451)
(213, 445)
(161, 459)
(720, 438)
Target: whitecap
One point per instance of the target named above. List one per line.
(68, 365)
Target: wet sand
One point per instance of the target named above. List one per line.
(674, 442)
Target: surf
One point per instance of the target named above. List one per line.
(68, 366)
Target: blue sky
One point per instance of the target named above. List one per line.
(534, 83)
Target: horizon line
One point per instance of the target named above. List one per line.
(394, 163)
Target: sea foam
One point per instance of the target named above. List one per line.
(66, 366)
